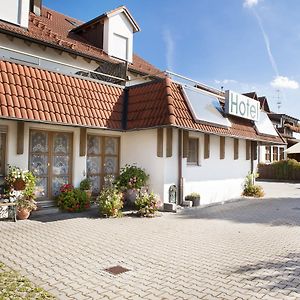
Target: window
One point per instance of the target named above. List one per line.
(275, 153)
(268, 153)
(193, 152)
(281, 153)
(120, 46)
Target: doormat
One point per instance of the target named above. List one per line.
(116, 270)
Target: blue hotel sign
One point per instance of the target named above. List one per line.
(241, 106)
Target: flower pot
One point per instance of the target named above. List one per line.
(23, 213)
(196, 202)
(19, 184)
(88, 193)
(131, 196)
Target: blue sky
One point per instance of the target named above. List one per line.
(243, 45)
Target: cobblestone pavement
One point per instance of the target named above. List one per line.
(248, 249)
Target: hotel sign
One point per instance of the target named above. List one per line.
(241, 106)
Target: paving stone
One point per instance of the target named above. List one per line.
(247, 249)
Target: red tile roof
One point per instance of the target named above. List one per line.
(53, 28)
(163, 103)
(33, 94)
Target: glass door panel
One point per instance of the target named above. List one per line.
(50, 161)
(39, 163)
(102, 159)
(60, 161)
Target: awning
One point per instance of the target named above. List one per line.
(294, 149)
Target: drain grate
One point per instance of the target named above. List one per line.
(116, 270)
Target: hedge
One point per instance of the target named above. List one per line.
(282, 170)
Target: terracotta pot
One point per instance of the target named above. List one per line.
(23, 213)
(19, 184)
(131, 195)
(88, 193)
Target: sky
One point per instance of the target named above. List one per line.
(242, 45)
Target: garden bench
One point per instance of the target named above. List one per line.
(11, 209)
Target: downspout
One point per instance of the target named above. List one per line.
(172, 121)
(180, 179)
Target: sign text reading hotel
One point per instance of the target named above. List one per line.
(241, 106)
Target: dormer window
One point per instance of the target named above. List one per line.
(15, 12)
(111, 32)
(120, 47)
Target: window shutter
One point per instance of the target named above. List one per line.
(222, 147)
(206, 145)
(185, 143)
(169, 142)
(254, 150)
(82, 143)
(236, 149)
(160, 142)
(20, 137)
(248, 145)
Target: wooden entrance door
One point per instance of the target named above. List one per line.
(102, 159)
(50, 161)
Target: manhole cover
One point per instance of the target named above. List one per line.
(116, 270)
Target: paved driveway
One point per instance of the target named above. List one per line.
(242, 250)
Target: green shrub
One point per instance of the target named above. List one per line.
(250, 189)
(192, 196)
(147, 204)
(110, 202)
(288, 169)
(131, 177)
(85, 184)
(254, 191)
(72, 199)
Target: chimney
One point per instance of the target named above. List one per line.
(36, 7)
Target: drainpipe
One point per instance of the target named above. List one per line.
(180, 179)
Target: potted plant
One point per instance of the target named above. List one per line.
(195, 198)
(131, 180)
(147, 204)
(24, 207)
(20, 186)
(110, 202)
(72, 199)
(86, 185)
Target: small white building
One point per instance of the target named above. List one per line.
(68, 110)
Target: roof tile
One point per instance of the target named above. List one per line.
(46, 99)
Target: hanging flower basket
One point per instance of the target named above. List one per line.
(19, 184)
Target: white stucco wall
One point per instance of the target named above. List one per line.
(216, 179)
(140, 148)
(117, 25)
(15, 11)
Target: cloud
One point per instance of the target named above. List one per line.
(267, 44)
(282, 82)
(170, 48)
(250, 3)
(225, 81)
